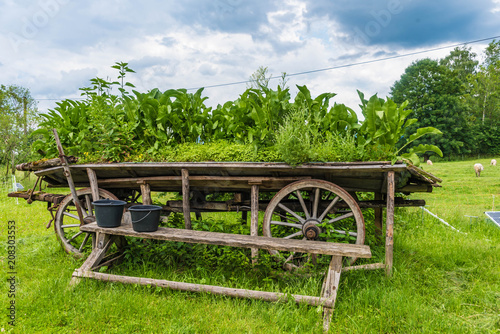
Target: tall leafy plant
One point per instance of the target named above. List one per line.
(385, 125)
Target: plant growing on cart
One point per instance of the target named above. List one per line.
(384, 126)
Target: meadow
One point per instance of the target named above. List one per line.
(444, 280)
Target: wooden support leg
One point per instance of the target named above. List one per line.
(186, 209)
(254, 223)
(103, 242)
(330, 287)
(93, 184)
(389, 224)
(378, 218)
(146, 194)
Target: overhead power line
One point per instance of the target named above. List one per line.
(333, 67)
(357, 63)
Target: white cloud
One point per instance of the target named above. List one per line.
(190, 44)
(496, 8)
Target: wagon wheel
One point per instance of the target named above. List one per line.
(313, 210)
(67, 222)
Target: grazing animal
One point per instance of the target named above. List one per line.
(478, 168)
(493, 162)
(429, 162)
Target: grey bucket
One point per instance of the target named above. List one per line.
(145, 218)
(108, 212)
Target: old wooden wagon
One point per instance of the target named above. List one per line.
(298, 207)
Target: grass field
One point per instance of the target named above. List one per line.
(444, 281)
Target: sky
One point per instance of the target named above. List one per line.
(54, 47)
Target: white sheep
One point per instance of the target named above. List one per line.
(429, 162)
(478, 168)
(493, 162)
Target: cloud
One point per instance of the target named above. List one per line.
(405, 22)
(235, 16)
(195, 43)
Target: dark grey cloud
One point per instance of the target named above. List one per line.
(408, 23)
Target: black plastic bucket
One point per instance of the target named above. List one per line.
(108, 212)
(145, 218)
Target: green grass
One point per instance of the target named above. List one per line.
(444, 281)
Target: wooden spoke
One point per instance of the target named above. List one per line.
(347, 215)
(71, 215)
(84, 242)
(286, 217)
(354, 234)
(317, 195)
(67, 223)
(330, 206)
(70, 225)
(88, 201)
(291, 212)
(293, 235)
(275, 222)
(314, 205)
(301, 200)
(75, 236)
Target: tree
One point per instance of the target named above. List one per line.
(433, 92)
(462, 62)
(18, 118)
(492, 54)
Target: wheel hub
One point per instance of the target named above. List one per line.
(311, 230)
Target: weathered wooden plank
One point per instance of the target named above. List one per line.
(254, 219)
(378, 217)
(67, 174)
(39, 196)
(185, 199)
(331, 286)
(146, 194)
(389, 224)
(217, 290)
(294, 205)
(371, 266)
(93, 184)
(416, 188)
(43, 164)
(238, 240)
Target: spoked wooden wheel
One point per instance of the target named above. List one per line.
(313, 210)
(67, 222)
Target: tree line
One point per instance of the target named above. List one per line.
(459, 95)
(18, 119)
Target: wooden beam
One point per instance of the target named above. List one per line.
(389, 224)
(370, 266)
(185, 199)
(217, 290)
(378, 212)
(238, 240)
(146, 194)
(93, 184)
(69, 179)
(254, 219)
(331, 286)
(219, 206)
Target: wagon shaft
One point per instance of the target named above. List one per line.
(38, 196)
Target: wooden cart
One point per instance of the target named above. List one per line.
(302, 203)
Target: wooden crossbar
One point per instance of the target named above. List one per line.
(238, 240)
(214, 289)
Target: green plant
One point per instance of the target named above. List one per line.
(385, 125)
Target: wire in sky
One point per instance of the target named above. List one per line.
(355, 64)
(334, 67)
